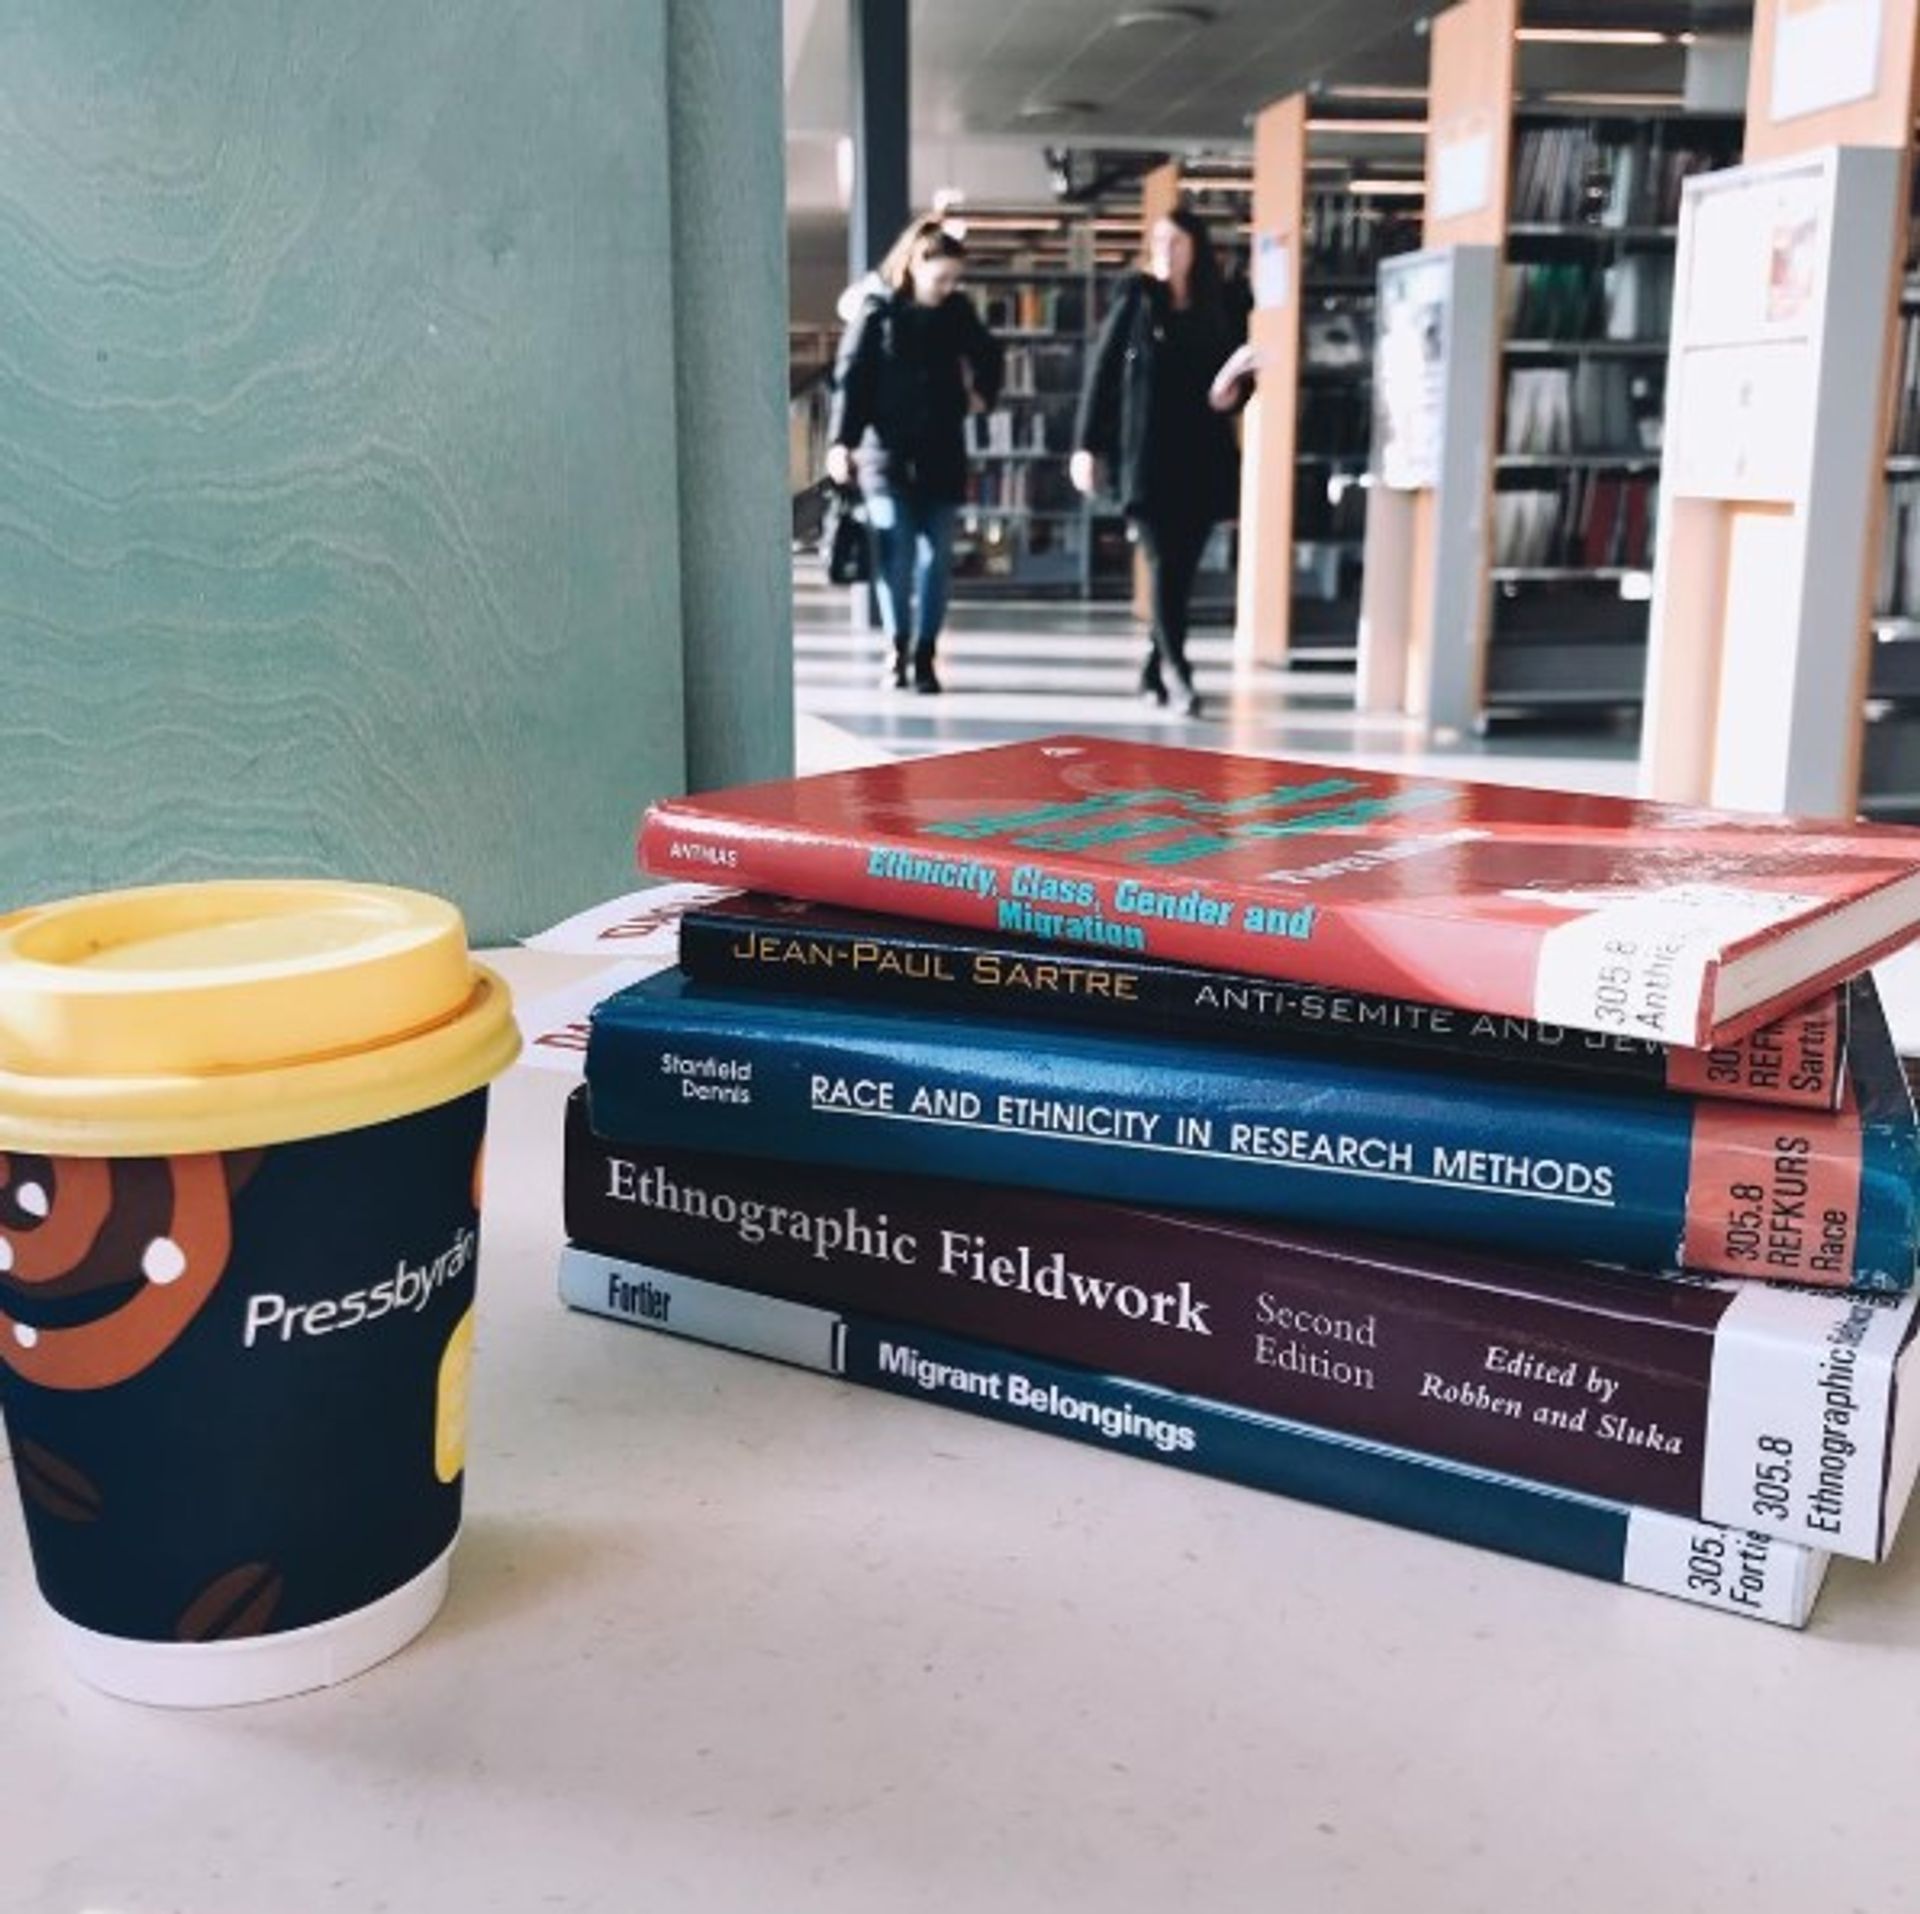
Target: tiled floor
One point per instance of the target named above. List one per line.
(1025, 669)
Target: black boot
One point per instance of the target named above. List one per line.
(924, 681)
(1153, 687)
(895, 677)
(1190, 701)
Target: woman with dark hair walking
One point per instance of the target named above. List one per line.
(915, 359)
(1153, 428)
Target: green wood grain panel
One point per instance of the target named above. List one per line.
(730, 316)
(338, 496)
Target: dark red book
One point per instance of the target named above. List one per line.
(1672, 924)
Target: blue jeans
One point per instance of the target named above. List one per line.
(912, 560)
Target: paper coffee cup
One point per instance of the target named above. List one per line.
(241, 1135)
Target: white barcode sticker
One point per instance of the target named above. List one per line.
(1800, 1403)
(1636, 965)
(1721, 1568)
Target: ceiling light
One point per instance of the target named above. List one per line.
(1010, 223)
(1627, 102)
(1601, 36)
(1344, 92)
(1388, 188)
(1185, 18)
(1409, 128)
(1056, 110)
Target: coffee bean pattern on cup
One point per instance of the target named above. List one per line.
(54, 1486)
(233, 1606)
(153, 1307)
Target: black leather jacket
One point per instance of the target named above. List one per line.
(900, 392)
(1117, 415)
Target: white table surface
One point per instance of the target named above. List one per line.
(727, 1636)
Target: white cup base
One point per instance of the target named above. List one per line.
(262, 1667)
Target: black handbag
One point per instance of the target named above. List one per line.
(849, 555)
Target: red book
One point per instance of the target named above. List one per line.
(1669, 923)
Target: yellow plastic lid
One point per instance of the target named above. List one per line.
(223, 1016)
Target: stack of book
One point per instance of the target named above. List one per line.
(1527, 1169)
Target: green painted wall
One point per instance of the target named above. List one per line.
(730, 325)
(340, 475)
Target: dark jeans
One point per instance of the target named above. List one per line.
(912, 560)
(1173, 545)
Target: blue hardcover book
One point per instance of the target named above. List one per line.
(1701, 1562)
(1734, 1189)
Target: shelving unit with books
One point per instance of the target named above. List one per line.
(1024, 528)
(1315, 246)
(1780, 677)
(1594, 204)
(1343, 240)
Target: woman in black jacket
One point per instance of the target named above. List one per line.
(1153, 428)
(915, 360)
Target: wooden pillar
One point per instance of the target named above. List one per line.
(1264, 614)
(1469, 136)
(1700, 666)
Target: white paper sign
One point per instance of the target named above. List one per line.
(1409, 371)
(1462, 174)
(1272, 271)
(1825, 53)
(641, 924)
(553, 1028)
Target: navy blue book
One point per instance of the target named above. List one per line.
(1732, 1189)
(750, 942)
(1738, 1574)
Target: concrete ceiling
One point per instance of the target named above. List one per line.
(977, 65)
(979, 68)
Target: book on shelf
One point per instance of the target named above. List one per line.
(1600, 406)
(1031, 308)
(1609, 176)
(1582, 520)
(1672, 1394)
(1650, 1183)
(794, 948)
(1539, 417)
(1672, 923)
(1555, 299)
(1898, 592)
(1739, 1574)
(1345, 238)
(1906, 407)
(1637, 298)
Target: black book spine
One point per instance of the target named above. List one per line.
(931, 967)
